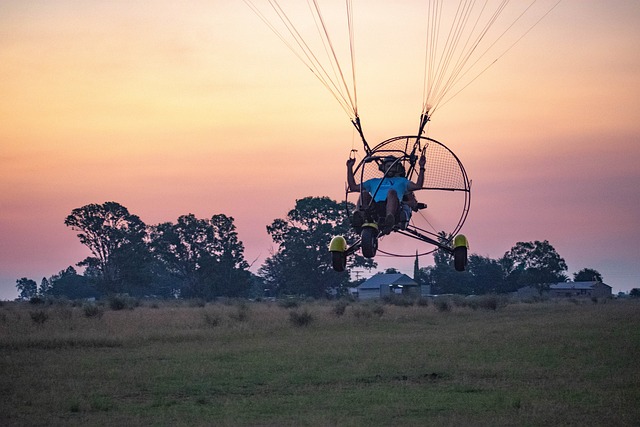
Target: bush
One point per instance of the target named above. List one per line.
(423, 302)
(361, 313)
(36, 300)
(340, 308)
(122, 301)
(399, 300)
(242, 313)
(487, 302)
(212, 320)
(442, 304)
(92, 310)
(378, 310)
(299, 319)
(39, 316)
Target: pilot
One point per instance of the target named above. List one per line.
(391, 188)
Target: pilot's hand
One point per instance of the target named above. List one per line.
(351, 162)
(422, 161)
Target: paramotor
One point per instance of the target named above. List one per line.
(463, 39)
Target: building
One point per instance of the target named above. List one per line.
(382, 285)
(580, 289)
(569, 289)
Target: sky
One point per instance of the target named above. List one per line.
(171, 108)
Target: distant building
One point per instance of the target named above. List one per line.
(381, 285)
(569, 289)
(580, 289)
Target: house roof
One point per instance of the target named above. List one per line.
(574, 285)
(397, 279)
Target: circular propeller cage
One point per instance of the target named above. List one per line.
(446, 192)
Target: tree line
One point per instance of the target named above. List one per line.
(535, 264)
(204, 258)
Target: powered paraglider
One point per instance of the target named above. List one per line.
(462, 40)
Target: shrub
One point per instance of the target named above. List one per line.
(491, 302)
(422, 301)
(399, 300)
(458, 301)
(442, 304)
(92, 310)
(122, 301)
(378, 310)
(361, 312)
(241, 314)
(299, 319)
(39, 316)
(340, 308)
(212, 320)
(36, 300)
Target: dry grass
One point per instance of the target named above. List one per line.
(243, 363)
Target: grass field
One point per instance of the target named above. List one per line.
(245, 363)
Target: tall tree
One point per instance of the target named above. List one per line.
(486, 273)
(27, 288)
(206, 255)
(443, 277)
(70, 284)
(227, 268)
(587, 275)
(302, 264)
(533, 263)
(116, 239)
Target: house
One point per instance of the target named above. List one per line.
(569, 289)
(580, 289)
(381, 285)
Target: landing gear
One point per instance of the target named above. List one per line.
(460, 258)
(460, 249)
(338, 249)
(338, 261)
(369, 243)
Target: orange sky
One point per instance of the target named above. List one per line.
(195, 107)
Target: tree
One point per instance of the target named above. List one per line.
(532, 263)
(205, 255)
(587, 275)
(443, 277)
(301, 265)
(116, 239)
(486, 273)
(45, 286)
(27, 288)
(227, 269)
(70, 284)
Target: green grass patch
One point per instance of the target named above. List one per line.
(252, 364)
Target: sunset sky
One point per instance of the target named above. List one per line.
(170, 108)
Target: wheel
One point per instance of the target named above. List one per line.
(369, 237)
(338, 261)
(460, 258)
